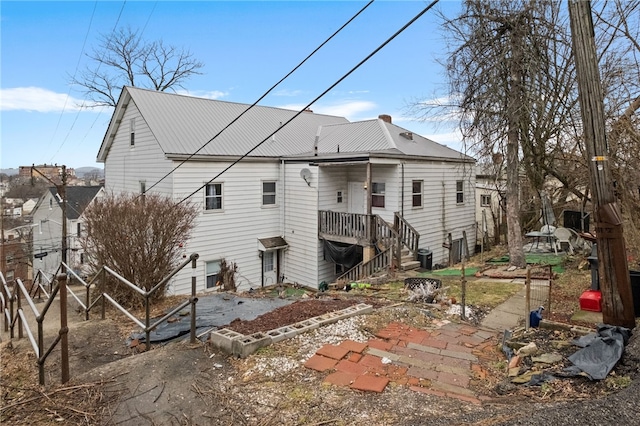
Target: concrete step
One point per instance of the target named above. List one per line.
(407, 266)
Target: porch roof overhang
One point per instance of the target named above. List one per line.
(272, 243)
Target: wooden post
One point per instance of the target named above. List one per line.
(527, 299)
(463, 290)
(64, 329)
(615, 285)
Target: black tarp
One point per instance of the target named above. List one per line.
(214, 311)
(342, 254)
(600, 351)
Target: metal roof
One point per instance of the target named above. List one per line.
(183, 124)
(381, 137)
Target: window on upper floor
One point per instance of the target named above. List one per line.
(485, 200)
(213, 196)
(459, 191)
(416, 193)
(132, 132)
(339, 197)
(9, 259)
(377, 194)
(79, 229)
(213, 273)
(268, 193)
(50, 203)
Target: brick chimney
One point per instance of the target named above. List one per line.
(385, 117)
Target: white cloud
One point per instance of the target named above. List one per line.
(207, 94)
(288, 93)
(349, 108)
(37, 99)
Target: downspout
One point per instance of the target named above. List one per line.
(402, 190)
(282, 216)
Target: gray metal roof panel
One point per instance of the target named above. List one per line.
(182, 124)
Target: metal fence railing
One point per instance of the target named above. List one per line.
(11, 301)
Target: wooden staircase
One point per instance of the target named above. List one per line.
(397, 243)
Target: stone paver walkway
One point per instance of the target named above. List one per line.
(440, 361)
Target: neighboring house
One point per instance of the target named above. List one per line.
(47, 237)
(28, 206)
(490, 199)
(317, 196)
(16, 256)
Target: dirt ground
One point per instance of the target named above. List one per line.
(192, 384)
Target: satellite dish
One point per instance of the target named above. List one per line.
(305, 174)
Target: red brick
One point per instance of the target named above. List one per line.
(414, 381)
(333, 351)
(340, 378)
(427, 391)
(380, 344)
(468, 330)
(422, 373)
(460, 348)
(371, 361)
(354, 346)
(453, 379)
(415, 336)
(370, 383)
(355, 357)
(456, 362)
(320, 363)
(434, 343)
(350, 367)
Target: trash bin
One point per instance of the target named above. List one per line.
(593, 265)
(425, 257)
(634, 277)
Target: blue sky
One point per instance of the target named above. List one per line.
(245, 47)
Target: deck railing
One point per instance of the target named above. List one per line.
(381, 262)
(407, 233)
(346, 227)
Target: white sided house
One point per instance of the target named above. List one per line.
(48, 236)
(298, 199)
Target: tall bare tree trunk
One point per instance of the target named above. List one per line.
(514, 111)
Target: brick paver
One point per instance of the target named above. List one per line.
(320, 363)
(441, 361)
(333, 351)
(370, 383)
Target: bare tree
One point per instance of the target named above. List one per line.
(498, 68)
(139, 238)
(123, 58)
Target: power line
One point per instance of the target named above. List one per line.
(84, 101)
(263, 95)
(369, 56)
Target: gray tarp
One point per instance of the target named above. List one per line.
(601, 351)
(215, 310)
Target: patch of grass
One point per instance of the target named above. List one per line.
(453, 272)
(481, 293)
(617, 382)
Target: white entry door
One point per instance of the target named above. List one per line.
(269, 268)
(356, 198)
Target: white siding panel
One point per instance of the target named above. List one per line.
(301, 226)
(126, 166)
(232, 233)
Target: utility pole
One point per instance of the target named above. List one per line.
(617, 299)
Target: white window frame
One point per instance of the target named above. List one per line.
(378, 190)
(483, 200)
(132, 132)
(214, 196)
(273, 194)
(213, 273)
(415, 194)
(459, 192)
(339, 196)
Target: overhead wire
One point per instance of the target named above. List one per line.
(84, 101)
(358, 65)
(263, 95)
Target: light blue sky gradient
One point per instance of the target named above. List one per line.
(245, 46)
